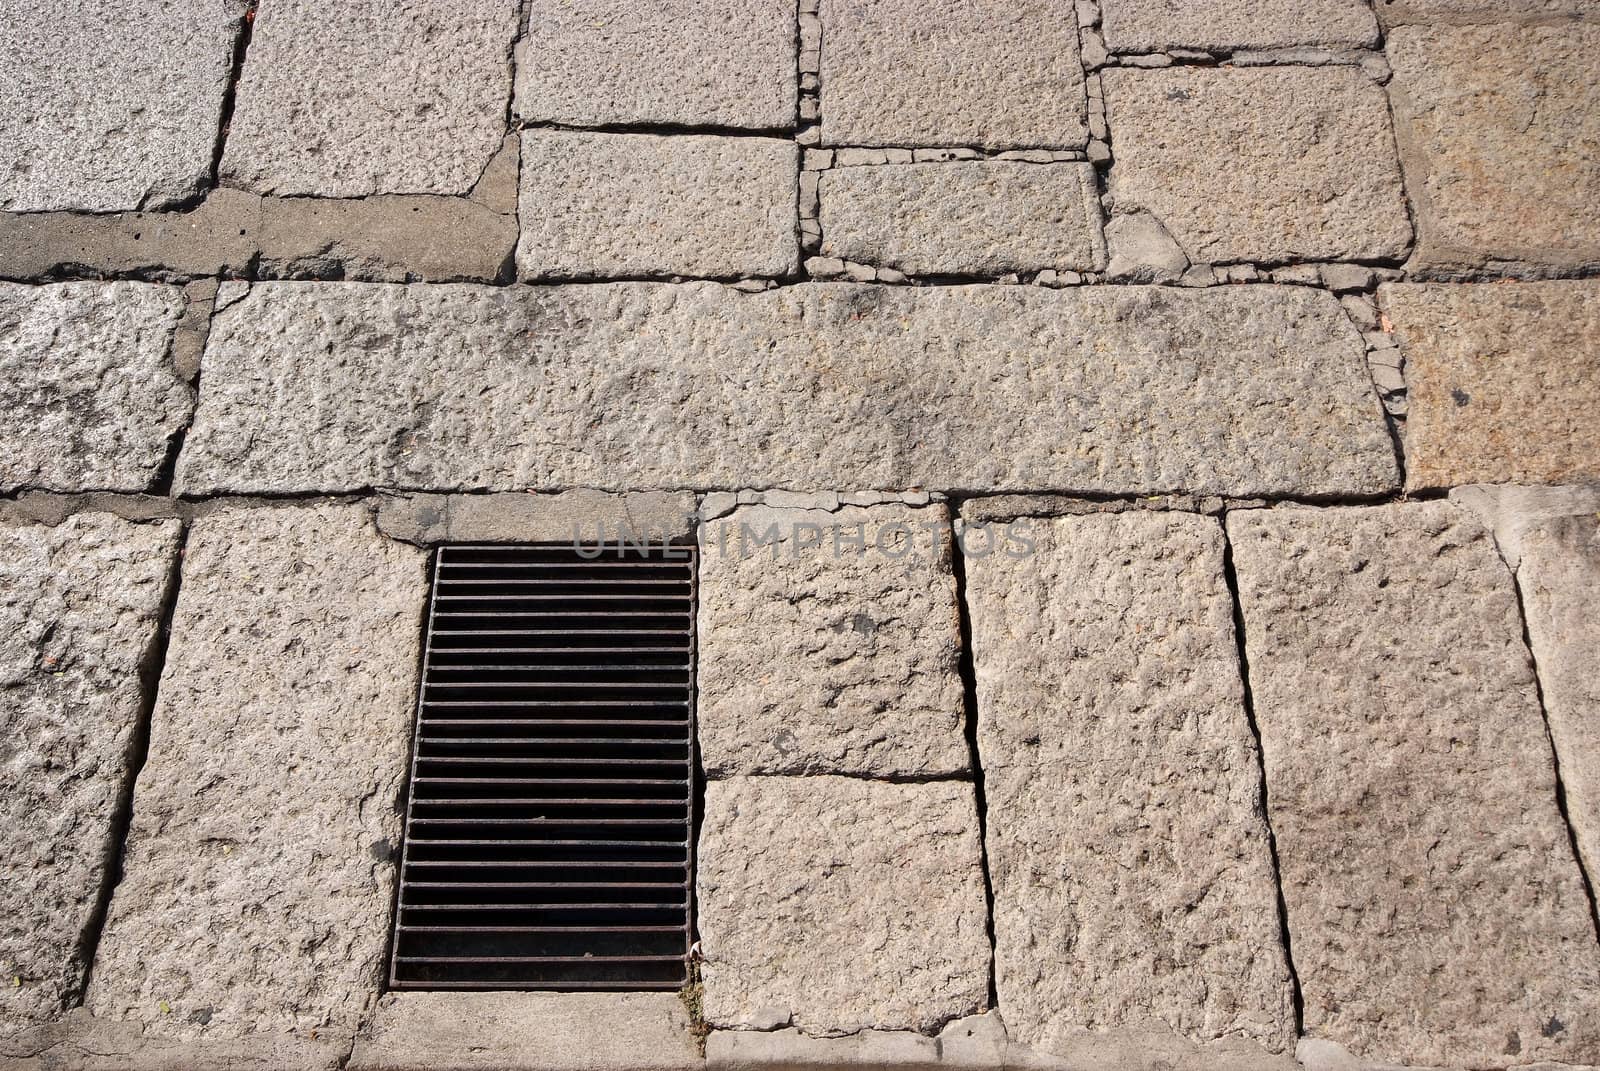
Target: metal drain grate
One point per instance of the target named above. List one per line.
(547, 841)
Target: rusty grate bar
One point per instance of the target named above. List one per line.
(547, 841)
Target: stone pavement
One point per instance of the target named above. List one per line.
(1176, 424)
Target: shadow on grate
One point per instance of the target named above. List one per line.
(547, 841)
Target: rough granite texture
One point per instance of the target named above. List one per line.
(703, 63)
(346, 100)
(1133, 884)
(1148, 389)
(1399, 12)
(841, 904)
(964, 218)
(1437, 915)
(80, 605)
(496, 1031)
(575, 516)
(1260, 164)
(818, 656)
(1500, 132)
(1157, 25)
(1503, 381)
(259, 869)
(88, 389)
(108, 107)
(599, 205)
(952, 72)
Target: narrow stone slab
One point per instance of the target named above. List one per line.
(1500, 130)
(1437, 915)
(572, 517)
(829, 643)
(1123, 788)
(79, 613)
(951, 72)
(1262, 164)
(399, 239)
(259, 871)
(110, 107)
(351, 99)
(688, 62)
(1401, 12)
(841, 904)
(1238, 390)
(1502, 380)
(964, 218)
(598, 205)
(89, 392)
(1157, 25)
(528, 1032)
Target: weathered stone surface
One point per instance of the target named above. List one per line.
(1500, 132)
(89, 393)
(353, 99)
(1551, 537)
(1502, 381)
(578, 516)
(83, 1043)
(1122, 785)
(598, 205)
(817, 655)
(851, 904)
(972, 218)
(109, 107)
(952, 72)
(1400, 12)
(1243, 390)
(386, 239)
(1157, 25)
(689, 62)
(556, 1031)
(259, 868)
(1143, 251)
(1437, 915)
(1262, 164)
(80, 605)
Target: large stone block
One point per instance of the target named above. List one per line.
(1500, 132)
(1260, 164)
(1503, 381)
(1004, 74)
(1437, 915)
(841, 904)
(80, 606)
(87, 385)
(1133, 883)
(1238, 390)
(829, 642)
(1400, 12)
(598, 205)
(1157, 25)
(347, 100)
(109, 107)
(964, 218)
(688, 62)
(259, 870)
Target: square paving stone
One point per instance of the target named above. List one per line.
(110, 107)
(1265, 165)
(259, 870)
(843, 903)
(1436, 912)
(80, 606)
(1503, 381)
(1157, 25)
(700, 63)
(87, 384)
(964, 218)
(1133, 882)
(597, 205)
(1500, 132)
(1001, 74)
(348, 100)
(830, 643)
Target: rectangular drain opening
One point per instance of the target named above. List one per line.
(547, 841)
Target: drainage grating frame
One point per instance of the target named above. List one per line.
(548, 839)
